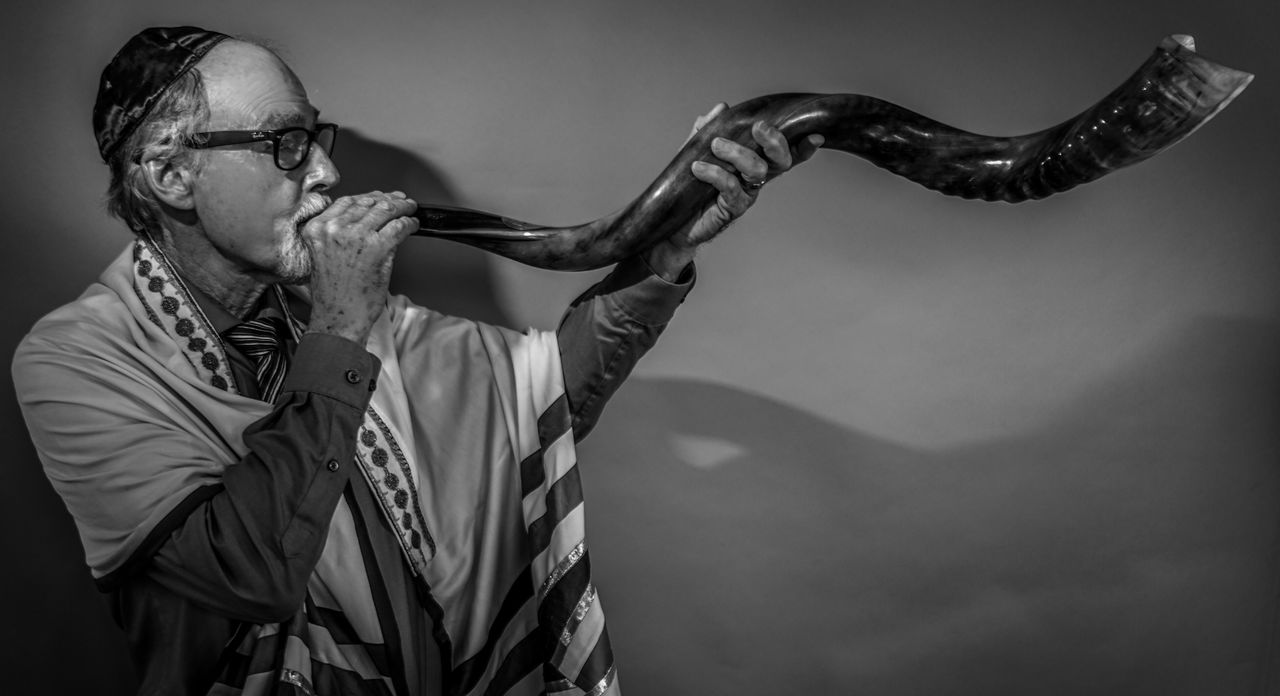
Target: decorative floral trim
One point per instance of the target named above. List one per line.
(397, 492)
(169, 305)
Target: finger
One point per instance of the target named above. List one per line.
(365, 212)
(706, 118)
(394, 201)
(333, 210)
(388, 208)
(774, 145)
(406, 206)
(342, 212)
(712, 223)
(732, 197)
(369, 211)
(741, 159)
(400, 228)
(807, 147)
(357, 209)
(715, 111)
(364, 201)
(397, 202)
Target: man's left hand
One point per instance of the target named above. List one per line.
(738, 182)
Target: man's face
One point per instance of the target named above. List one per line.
(250, 210)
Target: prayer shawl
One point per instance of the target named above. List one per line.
(466, 446)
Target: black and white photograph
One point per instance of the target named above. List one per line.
(411, 348)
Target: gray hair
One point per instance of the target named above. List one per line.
(182, 110)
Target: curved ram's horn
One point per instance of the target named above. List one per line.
(1172, 94)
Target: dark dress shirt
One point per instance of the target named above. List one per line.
(240, 553)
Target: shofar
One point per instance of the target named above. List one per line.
(1175, 92)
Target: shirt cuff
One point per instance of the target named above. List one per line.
(644, 295)
(335, 367)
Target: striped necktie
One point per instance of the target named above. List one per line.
(263, 341)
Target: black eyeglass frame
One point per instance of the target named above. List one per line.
(200, 141)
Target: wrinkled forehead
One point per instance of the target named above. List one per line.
(248, 86)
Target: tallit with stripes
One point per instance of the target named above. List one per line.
(468, 449)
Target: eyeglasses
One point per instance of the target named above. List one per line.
(289, 146)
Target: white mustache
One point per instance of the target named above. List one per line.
(311, 208)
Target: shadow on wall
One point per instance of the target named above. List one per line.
(1130, 546)
(445, 276)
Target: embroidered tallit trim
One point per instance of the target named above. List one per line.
(169, 305)
(295, 678)
(395, 489)
(569, 612)
(561, 685)
(298, 644)
(556, 543)
(605, 683)
(564, 566)
(579, 613)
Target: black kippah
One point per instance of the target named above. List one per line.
(138, 76)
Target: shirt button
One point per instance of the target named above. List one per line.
(333, 465)
(353, 377)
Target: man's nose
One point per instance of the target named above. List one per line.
(322, 173)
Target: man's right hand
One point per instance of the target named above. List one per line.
(352, 244)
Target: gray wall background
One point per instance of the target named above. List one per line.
(894, 443)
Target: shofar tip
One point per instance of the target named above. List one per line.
(1221, 84)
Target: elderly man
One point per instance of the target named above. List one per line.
(285, 478)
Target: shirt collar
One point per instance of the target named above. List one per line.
(218, 316)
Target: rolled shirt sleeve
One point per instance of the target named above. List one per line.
(609, 328)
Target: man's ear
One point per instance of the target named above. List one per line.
(169, 181)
